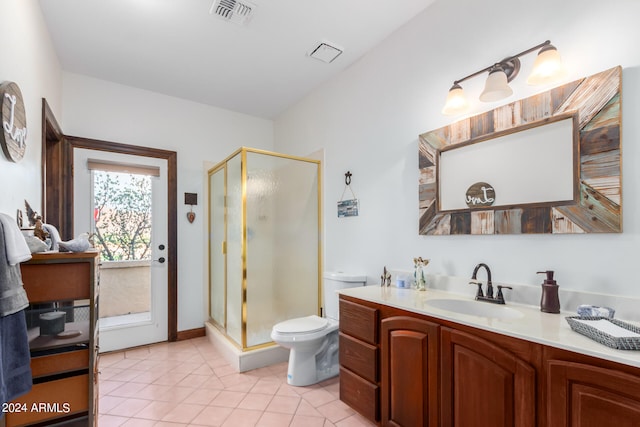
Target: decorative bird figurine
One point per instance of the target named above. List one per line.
(79, 244)
(385, 278)
(32, 215)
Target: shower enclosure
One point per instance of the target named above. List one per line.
(264, 243)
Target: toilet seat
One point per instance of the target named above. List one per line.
(302, 329)
(301, 325)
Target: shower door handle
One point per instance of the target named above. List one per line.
(224, 247)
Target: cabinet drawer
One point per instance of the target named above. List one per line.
(56, 282)
(360, 394)
(52, 399)
(60, 362)
(359, 321)
(359, 357)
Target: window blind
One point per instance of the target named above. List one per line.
(109, 166)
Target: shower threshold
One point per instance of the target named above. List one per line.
(243, 361)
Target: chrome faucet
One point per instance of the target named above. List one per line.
(480, 296)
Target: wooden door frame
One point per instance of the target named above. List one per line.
(56, 179)
(57, 192)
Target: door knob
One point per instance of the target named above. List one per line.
(161, 260)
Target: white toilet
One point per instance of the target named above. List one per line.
(313, 340)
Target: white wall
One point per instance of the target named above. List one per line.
(200, 134)
(27, 58)
(97, 109)
(368, 120)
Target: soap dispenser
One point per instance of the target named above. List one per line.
(549, 303)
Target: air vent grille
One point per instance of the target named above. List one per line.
(239, 12)
(325, 52)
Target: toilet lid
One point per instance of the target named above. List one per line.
(301, 325)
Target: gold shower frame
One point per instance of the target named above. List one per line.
(243, 167)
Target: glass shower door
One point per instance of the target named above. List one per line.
(235, 249)
(226, 264)
(282, 214)
(217, 271)
(265, 250)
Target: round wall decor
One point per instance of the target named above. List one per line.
(480, 194)
(13, 136)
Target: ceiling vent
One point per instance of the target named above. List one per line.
(325, 52)
(238, 12)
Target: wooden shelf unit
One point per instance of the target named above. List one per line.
(64, 368)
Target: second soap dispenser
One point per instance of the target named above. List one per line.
(549, 303)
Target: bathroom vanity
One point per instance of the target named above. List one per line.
(405, 362)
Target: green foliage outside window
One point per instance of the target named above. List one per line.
(122, 215)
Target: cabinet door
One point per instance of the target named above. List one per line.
(585, 395)
(409, 362)
(484, 385)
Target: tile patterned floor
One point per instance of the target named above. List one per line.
(188, 383)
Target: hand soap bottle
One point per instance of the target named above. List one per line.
(549, 303)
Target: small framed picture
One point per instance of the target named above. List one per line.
(347, 208)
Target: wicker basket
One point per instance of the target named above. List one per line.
(621, 343)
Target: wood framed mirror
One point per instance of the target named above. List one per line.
(553, 158)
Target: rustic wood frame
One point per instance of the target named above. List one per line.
(595, 104)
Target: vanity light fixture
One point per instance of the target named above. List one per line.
(546, 69)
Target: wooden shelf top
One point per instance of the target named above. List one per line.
(44, 256)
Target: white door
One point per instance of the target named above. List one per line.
(122, 200)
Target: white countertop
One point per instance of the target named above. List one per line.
(534, 325)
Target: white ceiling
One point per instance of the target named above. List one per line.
(177, 48)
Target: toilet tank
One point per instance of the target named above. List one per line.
(334, 281)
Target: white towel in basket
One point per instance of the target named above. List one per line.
(609, 328)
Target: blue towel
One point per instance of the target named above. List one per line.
(15, 359)
(595, 311)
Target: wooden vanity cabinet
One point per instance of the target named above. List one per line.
(63, 366)
(435, 373)
(431, 372)
(586, 391)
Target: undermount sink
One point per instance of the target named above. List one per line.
(475, 308)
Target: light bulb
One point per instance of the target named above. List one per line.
(547, 68)
(456, 101)
(496, 87)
